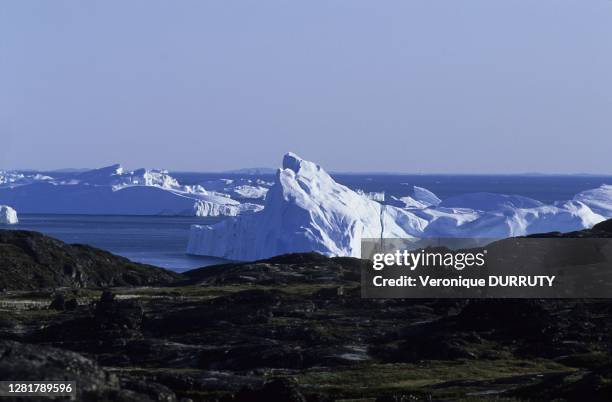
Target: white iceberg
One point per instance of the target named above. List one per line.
(421, 198)
(425, 196)
(8, 216)
(305, 210)
(373, 195)
(252, 192)
(241, 188)
(489, 201)
(15, 179)
(598, 199)
(508, 222)
(406, 202)
(489, 215)
(114, 191)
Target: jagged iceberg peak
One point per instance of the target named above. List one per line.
(304, 180)
(305, 210)
(292, 163)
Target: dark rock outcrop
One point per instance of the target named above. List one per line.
(24, 362)
(275, 390)
(30, 260)
(281, 270)
(295, 328)
(603, 227)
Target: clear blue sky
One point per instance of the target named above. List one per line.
(411, 85)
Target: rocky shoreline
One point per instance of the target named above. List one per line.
(290, 328)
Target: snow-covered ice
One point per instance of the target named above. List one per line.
(421, 198)
(114, 191)
(302, 209)
(254, 192)
(425, 196)
(373, 195)
(8, 216)
(14, 179)
(599, 200)
(241, 188)
(306, 210)
(489, 201)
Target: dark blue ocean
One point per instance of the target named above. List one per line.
(161, 240)
(156, 240)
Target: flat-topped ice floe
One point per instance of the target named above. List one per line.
(8, 216)
(305, 210)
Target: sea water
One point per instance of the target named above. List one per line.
(155, 240)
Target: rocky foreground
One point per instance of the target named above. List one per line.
(291, 328)
(30, 261)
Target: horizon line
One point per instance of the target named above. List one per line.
(272, 171)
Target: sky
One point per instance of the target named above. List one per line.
(416, 86)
